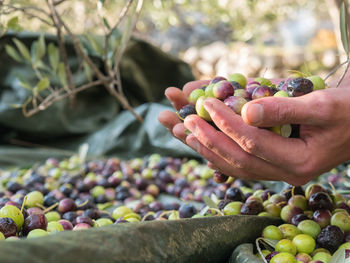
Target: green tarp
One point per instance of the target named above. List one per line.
(96, 116)
(210, 239)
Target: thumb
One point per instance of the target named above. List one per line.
(310, 109)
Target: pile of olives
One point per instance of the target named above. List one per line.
(73, 194)
(235, 91)
(317, 224)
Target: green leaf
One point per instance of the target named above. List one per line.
(344, 28)
(33, 49)
(16, 106)
(25, 84)
(96, 44)
(41, 65)
(43, 84)
(266, 242)
(13, 53)
(13, 24)
(22, 49)
(88, 71)
(83, 151)
(209, 202)
(62, 74)
(41, 48)
(204, 210)
(105, 206)
(106, 23)
(54, 56)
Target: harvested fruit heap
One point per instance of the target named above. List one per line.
(73, 194)
(235, 92)
(317, 226)
(76, 195)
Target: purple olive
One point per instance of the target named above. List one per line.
(8, 227)
(298, 218)
(34, 221)
(223, 89)
(322, 217)
(216, 80)
(236, 85)
(251, 87)
(66, 205)
(263, 91)
(243, 93)
(66, 224)
(321, 200)
(235, 103)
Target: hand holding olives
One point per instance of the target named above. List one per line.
(245, 146)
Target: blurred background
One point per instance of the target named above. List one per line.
(224, 36)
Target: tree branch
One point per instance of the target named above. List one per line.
(58, 2)
(25, 10)
(119, 54)
(108, 35)
(61, 46)
(54, 97)
(77, 45)
(110, 80)
(121, 17)
(123, 101)
(107, 82)
(343, 75)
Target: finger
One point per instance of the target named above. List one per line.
(192, 85)
(310, 109)
(230, 151)
(168, 119)
(282, 152)
(179, 132)
(212, 166)
(220, 164)
(176, 97)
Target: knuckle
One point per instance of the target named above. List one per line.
(210, 145)
(223, 124)
(248, 144)
(284, 112)
(242, 162)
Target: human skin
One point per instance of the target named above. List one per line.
(243, 150)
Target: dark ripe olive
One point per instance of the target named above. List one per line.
(299, 86)
(187, 110)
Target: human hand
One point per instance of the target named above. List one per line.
(241, 149)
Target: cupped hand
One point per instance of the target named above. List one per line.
(242, 149)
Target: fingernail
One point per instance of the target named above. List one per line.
(254, 113)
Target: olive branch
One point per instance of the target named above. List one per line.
(55, 79)
(344, 34)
